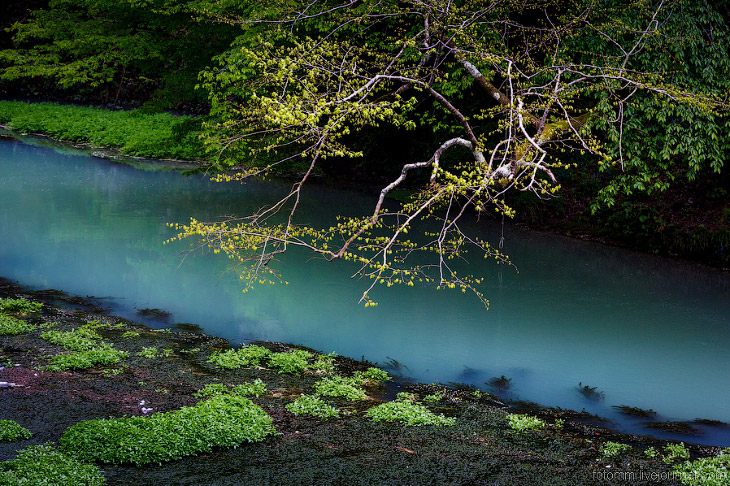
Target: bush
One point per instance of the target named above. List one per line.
(312, 405)
(407, 412)
(10, 326)
(520, 422)
(19, 306)
(44, 465)
(613, 449)
(102, 355)
(339, 386)
(294, 362)
(239, 358)
(221, 421)
(10, 431)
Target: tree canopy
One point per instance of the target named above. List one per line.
(512, 96)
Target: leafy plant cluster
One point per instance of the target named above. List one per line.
(522, 422)
(45, 465)
(708, 471)
(87, 349)
(11, 325)
(255, 388)
(613, 449)
(10, 431)
(222, 421)
(408, 412)
(159, 135)
(19, 306)
(314, 406)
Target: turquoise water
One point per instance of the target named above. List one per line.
(647, 332)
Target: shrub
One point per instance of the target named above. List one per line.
(12, 326)
(221, 421)
(407, 412)
(239, 358)
(613, 449)
(103, 355)
(339, 386)
(44, 465)
(312, 405)
(521, 422)
(709, 471)
(19, 306)
(675, 452)
(294, 362)
(10, 431)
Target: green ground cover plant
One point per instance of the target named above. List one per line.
(19, 306)
(256, 388)
(157, 135)
(675, 452)
(10, 431)
(521, 422)
(242, 357)
(340, 386)
(148, 352)
(312, 405)
(294, 362)
(44, 465)
(221, 421)
(408, 412)
(373, 374)
(11, 326)
(708, 471)
(102, 355)
(613, 449)
(82, 339)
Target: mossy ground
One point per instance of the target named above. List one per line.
(350, 450)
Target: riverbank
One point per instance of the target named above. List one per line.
(479, 441)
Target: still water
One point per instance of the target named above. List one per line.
(645, 331)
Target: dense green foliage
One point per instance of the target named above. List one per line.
(314, 406)
(408, 412)
(294, 362)
(101, 355)
(522, 422)
(11, 431)
(239, 358)
(44, 465)
(19, 306)
(134, 133)
(221, 421)
(340, 386)
(708, 471)
(10, 325)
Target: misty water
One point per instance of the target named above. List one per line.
(645, 331)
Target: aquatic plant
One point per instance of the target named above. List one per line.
(635, 411)
(10, 431)
(590, 392)
(312, 405)
(340, 386)
(239, 358)
(708, 471)
(294, 362)
(10, 326)
(221, 421)
(407, 412)
(522, 422)
(44, 465)
(613, 449)
(19, 306)
(675, 452)
(500, 384)
(103, 355)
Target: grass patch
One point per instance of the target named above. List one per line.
(103, 355)
(11, 326)
(44, 465)
(294, 362)
(158, 135)
(239, 358)
(314, 406)
(339, 386)
(19, 306)
(407, 412)
(10, 431)
(221, 421)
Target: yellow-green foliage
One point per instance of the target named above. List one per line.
(521, 422)
(407, 412)
(239, 358)
(9, 325)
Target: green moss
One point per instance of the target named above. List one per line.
(10, 431)
(10, 326)
(312, 405)
(46, 466)
(221, 421)
(239, 358)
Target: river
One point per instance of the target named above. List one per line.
(647, 332)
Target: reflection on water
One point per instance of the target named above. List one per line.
(646, 332)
